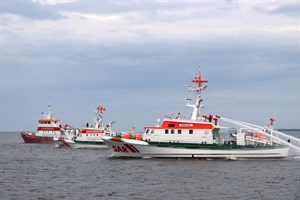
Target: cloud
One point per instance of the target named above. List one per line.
(290, 9)
(54, 2)
(31, 10)
(138, 57)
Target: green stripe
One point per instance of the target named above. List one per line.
(208, 146)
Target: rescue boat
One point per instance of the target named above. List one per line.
(200, 137)
(48, 128)
(89, 137)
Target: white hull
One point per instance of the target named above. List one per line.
(133, 148)
(86, 145)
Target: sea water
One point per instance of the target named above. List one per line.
(41, 171)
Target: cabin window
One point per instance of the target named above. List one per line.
(172, 131)
(166, 131)
(171, 125)
(152, 131)
(190, 131)
(147, 130)
(179, 131)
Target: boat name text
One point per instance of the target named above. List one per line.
(127, 148)
(185, 125)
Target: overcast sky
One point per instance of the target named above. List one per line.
(137, 56)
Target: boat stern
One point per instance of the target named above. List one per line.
(284, 152)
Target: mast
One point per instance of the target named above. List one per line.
(197, 91)
(270, 129)
(99, 116)
(50, 115)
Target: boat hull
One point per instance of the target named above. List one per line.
(139, 149)
(32, 138)
(82, 145)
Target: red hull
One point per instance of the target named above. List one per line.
(28, 138)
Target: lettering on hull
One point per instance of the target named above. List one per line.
(127, 148)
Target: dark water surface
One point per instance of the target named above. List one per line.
(41, 171)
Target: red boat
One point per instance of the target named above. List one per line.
(48, 128)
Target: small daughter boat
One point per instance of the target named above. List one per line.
(48, 128)
(200, 137)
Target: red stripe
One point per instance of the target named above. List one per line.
(135, 148)
(130, 148)
(91, 131)
(48, 129)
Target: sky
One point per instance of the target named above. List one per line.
(137, 57)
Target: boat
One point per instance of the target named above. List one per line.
(48, 128)
(200, 136)
(68, 133)
(89, 137)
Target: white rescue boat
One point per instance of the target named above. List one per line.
(200, 137)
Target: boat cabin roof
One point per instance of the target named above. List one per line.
(49, 120)
(182, 124)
